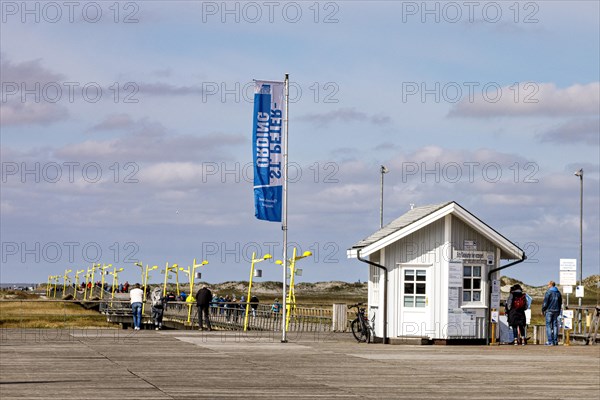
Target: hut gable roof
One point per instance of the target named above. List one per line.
(420, 217)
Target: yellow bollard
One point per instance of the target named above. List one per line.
(567, 338)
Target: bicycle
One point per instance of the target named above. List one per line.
(361, 328)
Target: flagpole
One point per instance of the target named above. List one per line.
(284, 205)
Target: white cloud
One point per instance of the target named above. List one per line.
(15, 112)
(530, 99)
(574, 131)
(345, 115)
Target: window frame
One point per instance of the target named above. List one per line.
(471, 278)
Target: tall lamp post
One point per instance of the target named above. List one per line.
(291, 298)
(580, 175)
(383, 170)
(103, 273)
(191, 273)
(254, 261)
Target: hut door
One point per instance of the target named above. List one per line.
(415, 309)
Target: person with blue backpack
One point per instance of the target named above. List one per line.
(551, 308)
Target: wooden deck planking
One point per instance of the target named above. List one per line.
(191, 365)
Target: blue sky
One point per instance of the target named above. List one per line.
(157, 168)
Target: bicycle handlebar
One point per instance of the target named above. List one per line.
(355, 305)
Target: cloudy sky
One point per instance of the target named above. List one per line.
(126, 129)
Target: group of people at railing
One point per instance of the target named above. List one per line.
(208, 305)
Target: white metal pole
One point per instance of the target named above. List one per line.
(580, 247)
(284, 205)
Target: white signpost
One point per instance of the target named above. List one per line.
(567, 289)
(568, 271)
(568, 319)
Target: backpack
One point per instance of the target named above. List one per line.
(156, 298)
(520, 303)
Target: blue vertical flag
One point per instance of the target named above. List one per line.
(267, 146)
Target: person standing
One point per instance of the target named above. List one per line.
(551, 310)
(254, 305)
(275, 309)
(158, 302)
(516, 304)
(136, 297)
(203, 298)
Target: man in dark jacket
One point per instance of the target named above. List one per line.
(551, 309)
(203, 298)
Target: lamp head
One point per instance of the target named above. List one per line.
(384, 170)
(579, 173)
(139, 264)
(204, 262)
(279, 262)
(307, 254)
(267, 256)
(120, 269)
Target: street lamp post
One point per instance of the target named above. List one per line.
(580, 175)
(48, 285)
(383, 170)
(115, 283)
(56, 279)
(65, 279)
(77, 272)
(191, 271)
(174, 268)
(254, 261)
(291, 295)
(103, 273)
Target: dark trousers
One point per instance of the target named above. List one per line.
(520, 334)
(203, 309)
(157, 315)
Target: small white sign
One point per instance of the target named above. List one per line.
(579, 291)
(455, 274)
(568, 313)
(495, 300)
(568, 278)
(469, 245)
(495, 317)
(568, 323)
(471, 255)
(568, 264)
(567, 289)
(495, 286)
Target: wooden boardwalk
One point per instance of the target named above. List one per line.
(126, 364)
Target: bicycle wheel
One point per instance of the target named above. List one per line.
(359, 332)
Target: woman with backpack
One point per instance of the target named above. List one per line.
(516, 304)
